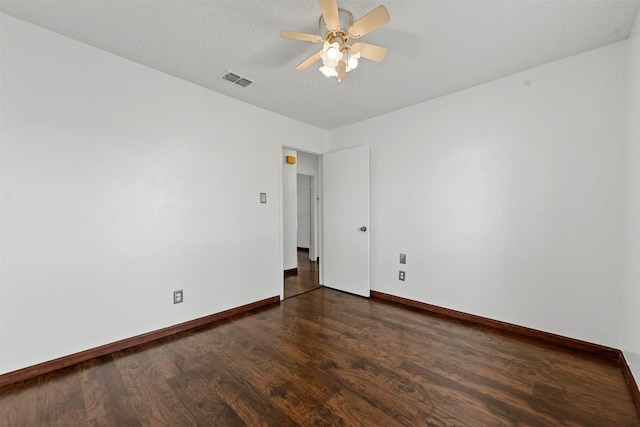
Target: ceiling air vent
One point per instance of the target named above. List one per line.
(234, 78)
(243, 82)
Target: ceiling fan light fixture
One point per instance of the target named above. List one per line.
(332, 52)
(352, 62)
(328, 71)
(331, 56)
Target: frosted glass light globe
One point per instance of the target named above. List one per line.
(332, 53)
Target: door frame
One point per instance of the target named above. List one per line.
(317, 210)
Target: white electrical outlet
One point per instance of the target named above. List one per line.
(177, 297)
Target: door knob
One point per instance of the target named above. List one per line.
(363, 228)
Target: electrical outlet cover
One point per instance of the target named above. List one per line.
(177, 297)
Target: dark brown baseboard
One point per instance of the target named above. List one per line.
(291, 272)
(628, 376)
(572, 343)
(72, 359)
(303, 249)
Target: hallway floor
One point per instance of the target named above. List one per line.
(307, 278)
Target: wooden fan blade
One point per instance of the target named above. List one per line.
(342, 70)
(372, 20)
(294, 35)
(369, 51)
(309, 61)
(330, 14)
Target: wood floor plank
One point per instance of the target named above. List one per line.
(394, 394)
(18, 403)
(456, 403)
(572, 372)
(146, 380)
(305, 397)
(359, 411)
(106, 398)
(242, 395)
(500, 396)
(60, 398)
(582, 408)
(202, 400)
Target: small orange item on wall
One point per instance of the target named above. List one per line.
(291, 160)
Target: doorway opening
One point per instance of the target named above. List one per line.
(300, 207)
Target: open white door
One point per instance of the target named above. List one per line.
(345, 186)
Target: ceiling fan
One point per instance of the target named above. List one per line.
(338, 56)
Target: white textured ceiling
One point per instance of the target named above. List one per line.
(435, 47)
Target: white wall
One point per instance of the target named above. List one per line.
(631, 231)
(120, 184)
(289, 210)
(307, 164)
(506, 197)
(304, 211)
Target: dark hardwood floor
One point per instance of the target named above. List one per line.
(307, 278)
(326, 358)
